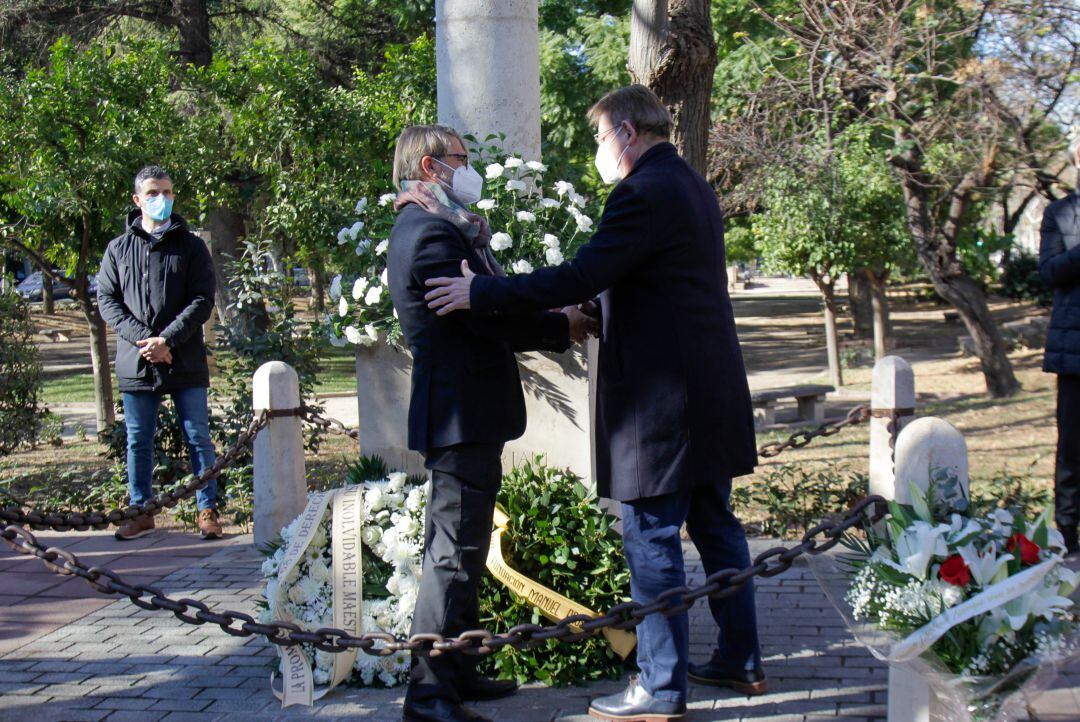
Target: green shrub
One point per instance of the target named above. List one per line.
(560, 538)
(1020, 279)
(792, 499)
(20, 374)
(1013, 492)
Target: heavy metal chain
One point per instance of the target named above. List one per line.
(327, 423)
(83, 520)
(627, 615)
(800, 439)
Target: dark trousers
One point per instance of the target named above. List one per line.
(1067, 472)
(654, 553)
(464, 482)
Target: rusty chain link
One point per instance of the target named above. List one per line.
(799, 439)
(95, 519)
(327, 423)
(627, 615)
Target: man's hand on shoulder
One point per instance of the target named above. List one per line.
(450, 294)
(155, 350)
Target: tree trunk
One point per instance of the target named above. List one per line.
(938, 258)
(880, 309)
(832, 339)
(673, 52)
(318, 287)
(194, 25)
(862, 312)
(99, 359)
(226, 229)
(48, 303)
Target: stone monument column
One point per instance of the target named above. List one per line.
(487, 55)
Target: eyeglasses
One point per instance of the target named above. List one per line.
(600, 136)
(458, 156)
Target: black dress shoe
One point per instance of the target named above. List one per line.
(745, 681)
(481, 689)
(635, 704)
(437, 709)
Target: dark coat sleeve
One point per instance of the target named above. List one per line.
(111, 304)
(200, 296)
(1058, 266)
(621, 243)
(440, 253)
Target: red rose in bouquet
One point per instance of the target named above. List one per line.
(1029, 550)
(954, 571)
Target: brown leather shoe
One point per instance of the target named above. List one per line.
(135, 528)
(208, 524)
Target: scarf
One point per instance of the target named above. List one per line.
(434, 199)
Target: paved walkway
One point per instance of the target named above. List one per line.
(113, 661)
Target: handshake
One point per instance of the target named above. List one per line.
(584, 321)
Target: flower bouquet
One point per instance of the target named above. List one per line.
(390, 531)
(980, 607)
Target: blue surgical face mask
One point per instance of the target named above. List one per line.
(157, 208)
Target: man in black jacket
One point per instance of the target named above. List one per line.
(156, 290)
(674, 419)
(466, 402)
(1059, 266)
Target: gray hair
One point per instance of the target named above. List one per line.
(636, 105)
(150, 172)
(415, 142)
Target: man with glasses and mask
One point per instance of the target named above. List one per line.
(674, 419)
(466, 402)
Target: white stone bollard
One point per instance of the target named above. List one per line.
(924, 445)
(892, 403)
(280, 481)
(487, 54)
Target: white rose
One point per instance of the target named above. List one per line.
(513, 162)
(494, 171)
(550, 203)
(381, 248)
(536, 166)
(501, 241)
(526, 216)
(375, 293)
(551, 240)
(372, 333)
(554, 256)
(374, 500)
(387, 198)
(563, 187)
(397, 480)
(335, 288)
(361, 205)
(343, 307)
(584, 223)
(352, 333)
(486, 205)
(515, 185)
(522, 266)
(359, 287)
(371, 535)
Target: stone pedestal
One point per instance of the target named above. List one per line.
(279, 475)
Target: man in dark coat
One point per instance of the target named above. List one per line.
(1059, 266)
(466, 402)
(156, 290)
(674, 418)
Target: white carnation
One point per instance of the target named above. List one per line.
(384, 277)
(343, 307)
(359, 287)
(501, 241)
(397, 480)
(515, 185)
(381, 248)
(494, 171)
(554, 256)
(375, 293)
(551, 240)
(415, 500)
(352, 333)
(361, 205)
(577, 199)
(372, 333)
(486, 204)
(335, 288)
(536, 166)
(374, 500)
(526, 216)
(584, 223)
(550, 203)
(513, 162)
(563, 187)
(386, 198)
(522, 266)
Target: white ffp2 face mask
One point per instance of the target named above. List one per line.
(608, 166)
(466, 184)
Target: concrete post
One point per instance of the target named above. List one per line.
(925, 445)
(280, 481)
(487, 54)
(892, 403)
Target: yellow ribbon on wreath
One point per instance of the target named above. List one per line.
(551, 604)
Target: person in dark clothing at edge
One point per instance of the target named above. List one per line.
(674, 418)
(1059, 266)
(156, 290)
(466, 401)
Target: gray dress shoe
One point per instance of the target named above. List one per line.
(635, 704)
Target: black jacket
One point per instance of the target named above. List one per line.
(1059, 267)
(158, 287)
(673, 405)
(465, 383)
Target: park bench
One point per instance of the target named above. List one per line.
(810, 398)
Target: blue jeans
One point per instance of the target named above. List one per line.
(140, 415)
(654, 553)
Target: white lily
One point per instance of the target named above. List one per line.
(917, 546)
(987, 567)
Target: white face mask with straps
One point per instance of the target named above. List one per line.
(467, 185)
(606, 163)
